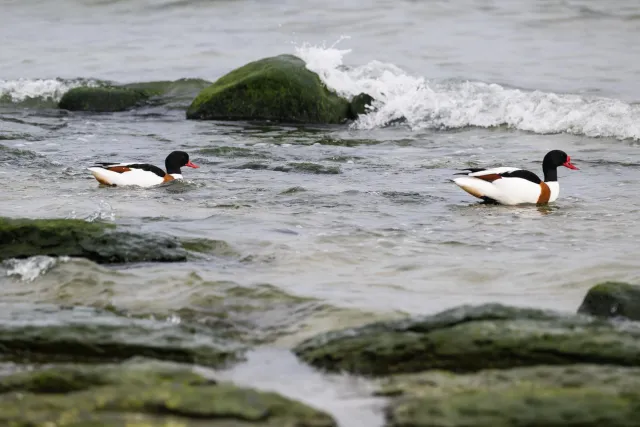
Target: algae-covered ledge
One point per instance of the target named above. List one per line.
(144, 394)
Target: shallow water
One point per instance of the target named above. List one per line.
(478, 83)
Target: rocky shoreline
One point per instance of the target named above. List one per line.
(484, 365)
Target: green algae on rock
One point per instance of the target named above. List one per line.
(278, 88)
(44, 333)
(550, 396)
(102, 99)
(108, 98)
(471, 338)
(612, 299)
(99, 242)
(143, 394)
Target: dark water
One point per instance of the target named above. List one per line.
(365, 217)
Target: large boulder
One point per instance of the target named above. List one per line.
(279, 88)
(557, 396)
(612, 299)
(472, 338)
(99, 242)
(143, 394)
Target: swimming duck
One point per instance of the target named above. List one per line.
(141, 174)
(514, 186)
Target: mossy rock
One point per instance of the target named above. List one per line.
(99, 242)
(279, 88)
(102, 99)
(472, 338)
(612, 299)
(578, 395)
(44, 333)
(143, 395)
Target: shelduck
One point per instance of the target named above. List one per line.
(514, 186)
(141, 174)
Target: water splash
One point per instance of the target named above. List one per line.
(31, 268)
(424, 104)
(103, 213)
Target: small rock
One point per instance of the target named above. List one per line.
(612, 299)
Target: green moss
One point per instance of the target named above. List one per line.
(21, 238)
(470, 339)
(151, 394)
(280, 88)
(612, 299)
(580, 395)
(102, 99)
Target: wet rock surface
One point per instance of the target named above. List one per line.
(467, 339)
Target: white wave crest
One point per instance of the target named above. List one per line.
(45, 89)
(423, 104)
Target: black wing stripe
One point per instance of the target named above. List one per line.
(523, 174)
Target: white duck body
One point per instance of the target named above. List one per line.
(509, 186)
(141, 174)
(132, 177)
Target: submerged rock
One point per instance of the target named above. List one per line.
(579, 395)
(467, 339)
(143, 394)
(612, 299)
(99, 242)
(43, 333)
(279, 88)
(102, 99)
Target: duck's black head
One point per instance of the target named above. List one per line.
(553, 160)
(176, 160)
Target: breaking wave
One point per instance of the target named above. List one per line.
(423, 104)
(43, 90)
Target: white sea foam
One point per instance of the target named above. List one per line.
(423, 104)
(45, 89)
(29, 269)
